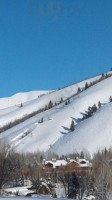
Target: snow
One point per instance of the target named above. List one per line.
(35, 104)
(91, 134)
(84, 163)
(19, 98)
(23, 191)
(57, 163)
(36, 196)
(91, 197)
(39, 197)
(54, 133)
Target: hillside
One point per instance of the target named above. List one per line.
(53, 134)
(90, 135)
(19, 98)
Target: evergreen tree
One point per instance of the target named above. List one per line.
(86, 85)
(89, 109)
(110, 99)
(89, 112)
(78, 90)
(99, 104)
(73, 185)
(111, 69)
(94, 108)
(66, 103)
(61, 100)
(91, 83)
(21, 105)
(50, 105)
(72, 126)
(106, 75)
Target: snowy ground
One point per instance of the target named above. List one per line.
(54, 132)
(42, 197)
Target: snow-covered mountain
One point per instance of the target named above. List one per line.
(19, 98)
(28, 125)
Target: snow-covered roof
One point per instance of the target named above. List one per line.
(59, 163)
(84, 163)
(48, 161)
(83, 160)
(72, 160)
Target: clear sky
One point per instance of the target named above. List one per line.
(47, 44)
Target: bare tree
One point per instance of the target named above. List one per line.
(8, 164)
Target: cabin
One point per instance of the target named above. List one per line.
(80, 166)
(48, 167)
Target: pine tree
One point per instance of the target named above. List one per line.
(86, 85)
(99, 104)
(91, 83)
(110, 99)
(78, 90)
(66, 103)
(21, 105)
(94, 108)
(89, 112)
(106, 75)
(72, 126)
(50, 105)
(61, 100)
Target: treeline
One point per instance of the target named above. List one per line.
(97, 182)
(27, 116)
(87, 85)
(18, 121)
(15, 168)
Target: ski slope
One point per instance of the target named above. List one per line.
(54, 133)
(90, 135)
(9, 115)
(19, 98)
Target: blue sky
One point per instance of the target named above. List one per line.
(47, 44)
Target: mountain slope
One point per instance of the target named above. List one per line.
(47, 133)
(54, 132)
(19, 98)
(91, 134)
(31, 106)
